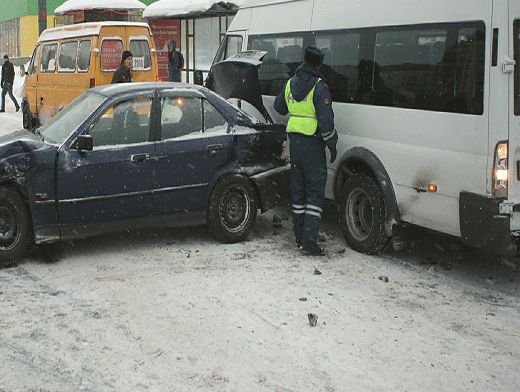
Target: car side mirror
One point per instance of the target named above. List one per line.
(84, 143)
(22, 70)
(198, 78)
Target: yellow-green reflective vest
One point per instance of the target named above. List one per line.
(302, 114)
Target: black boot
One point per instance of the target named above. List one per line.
(313, 249)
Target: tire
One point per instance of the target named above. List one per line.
(232, 209)
(27, 118)
(363, 214)
(15, 227)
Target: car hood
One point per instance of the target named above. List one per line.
(19, 142)
(237, 77)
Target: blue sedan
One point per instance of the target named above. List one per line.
(138, 155)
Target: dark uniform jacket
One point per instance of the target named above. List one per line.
(302, 83)
(8, 73)
(122, 75)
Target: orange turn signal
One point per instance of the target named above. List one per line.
(432, 188)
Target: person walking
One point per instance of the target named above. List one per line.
(7, 83)
(124, 73)
(175, 62)
(307, 100)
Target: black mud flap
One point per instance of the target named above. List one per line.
(273, 186)
(483, 227)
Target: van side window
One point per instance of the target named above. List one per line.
(48, 63)
(430, 67)
(517, 66)
(84, 56)
(340, 65)
(67, 58)
(111, 52)
(140, 48)
(34, 61)
(284, 56)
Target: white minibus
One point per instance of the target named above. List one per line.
(427, 104)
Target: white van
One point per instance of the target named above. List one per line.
(427, 103)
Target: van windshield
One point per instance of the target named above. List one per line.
(517, 67)
(59, 128)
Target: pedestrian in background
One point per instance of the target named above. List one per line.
(7, 83)
(124, 73)
(175, 62)
(307, 100)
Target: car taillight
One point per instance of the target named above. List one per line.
(500, 170)
(92, 82)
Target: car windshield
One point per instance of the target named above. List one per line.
(58, 129)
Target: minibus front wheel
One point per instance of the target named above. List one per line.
(363, 214)
(29, 121)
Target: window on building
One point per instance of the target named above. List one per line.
(517, 66)
(284, 55)
(140, 49)
(431, 67)
(84, 56)
(214, 121)
(181, 116)
(67, 58)
(124, 123)
(206, 42)
(48, 63)
(340, 66)
(111, 53)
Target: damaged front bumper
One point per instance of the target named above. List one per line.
(486, 223)
(273, 186)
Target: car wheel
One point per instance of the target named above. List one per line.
(232, 209)
(15, 227)
(363, 214)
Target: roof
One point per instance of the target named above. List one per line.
(175, 8)
(83, 5)
(82, 30)
(111, 90)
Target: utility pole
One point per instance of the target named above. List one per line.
(42, 15)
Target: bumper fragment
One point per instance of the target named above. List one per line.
(273, 186)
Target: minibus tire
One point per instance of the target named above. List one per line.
(362, 214)
(232, 209)
(15, 227)
(28, 122)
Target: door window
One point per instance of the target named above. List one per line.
(181, 116)
(213, 119)
(84, 56)
(34, 61)
(67, 58)
(111, 52)
(125, 123)
(48, 64)
(141, 53)
(517, 66)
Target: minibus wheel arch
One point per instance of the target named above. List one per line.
(361, 160)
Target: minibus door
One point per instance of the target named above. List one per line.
(511, 66)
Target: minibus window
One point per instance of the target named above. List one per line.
(517, 67)
(340, 65)
(48, 64)
(141, 51)
(433, 67)
(67, 58)
(34, 61)
(84, 56)
(111, 52)
(284, 56)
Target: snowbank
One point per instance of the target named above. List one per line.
(79, 5)
(171, 8)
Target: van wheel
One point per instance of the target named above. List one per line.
(27, 118)
(15, 227)
(232, 209)
(363, 214)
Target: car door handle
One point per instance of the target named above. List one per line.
(139, 157)
(214, 149)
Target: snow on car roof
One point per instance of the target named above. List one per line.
(170, 8)
(82, 30)
(81, 5)
(123, 88)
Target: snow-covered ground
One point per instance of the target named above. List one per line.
(173, 310)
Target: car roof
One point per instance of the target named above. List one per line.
(111, 90)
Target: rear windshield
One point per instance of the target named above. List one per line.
(111, 51)
(517, 67)
(140, 49)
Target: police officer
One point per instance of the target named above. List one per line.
(307, 100)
